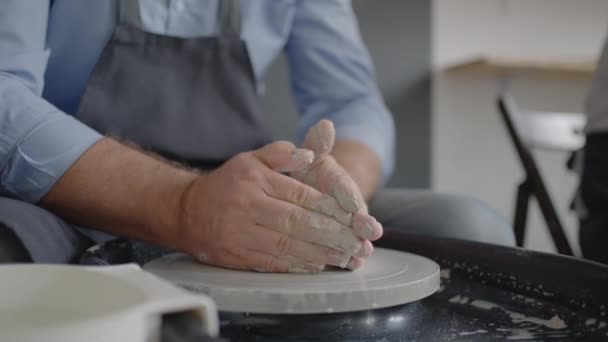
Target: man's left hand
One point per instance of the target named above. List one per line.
(326, 175)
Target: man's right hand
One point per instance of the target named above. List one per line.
(246, 215)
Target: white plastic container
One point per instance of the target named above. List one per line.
(75, 303)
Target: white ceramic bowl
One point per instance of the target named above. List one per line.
(75, 303)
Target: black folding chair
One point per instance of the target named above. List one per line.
(542, 130)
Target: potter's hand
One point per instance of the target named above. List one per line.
(327, 176)
(246, 215)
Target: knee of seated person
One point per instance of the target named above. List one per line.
(471, 219)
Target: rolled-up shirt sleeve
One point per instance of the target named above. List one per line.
(38, 142)
(332, 77)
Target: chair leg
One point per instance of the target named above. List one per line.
(553, 222)
(521, 212)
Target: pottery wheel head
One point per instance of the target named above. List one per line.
(388, 278)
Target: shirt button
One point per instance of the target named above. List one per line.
(178, 5)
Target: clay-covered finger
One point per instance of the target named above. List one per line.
(252, 260)
(306, 225)
(328, 205)
(320, 138)
(261, 262)
(320, 229)
(290, 190)
(283, 156)
(329, 177)
(348, 195)
(283, 246)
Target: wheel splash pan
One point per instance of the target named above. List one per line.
(487, 293)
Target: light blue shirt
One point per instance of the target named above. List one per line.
(47, 54)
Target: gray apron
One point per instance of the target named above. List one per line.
(191, 100)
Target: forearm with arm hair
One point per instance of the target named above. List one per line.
(123, 191)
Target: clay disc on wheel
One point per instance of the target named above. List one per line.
(388, 278)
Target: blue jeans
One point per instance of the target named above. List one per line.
(44, 237)
(441, 215)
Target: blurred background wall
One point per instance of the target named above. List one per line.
(471, 152)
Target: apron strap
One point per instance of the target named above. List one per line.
(129, 13)
(230, 19)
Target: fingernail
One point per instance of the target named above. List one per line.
(353, 264)
(365, 226)
(303, 156)
(337, 258)
(366, 250)
(378, 230)
(368, 227)
(321, 137)
(349, 246)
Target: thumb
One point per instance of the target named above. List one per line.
(283, 156)
(320, 138)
